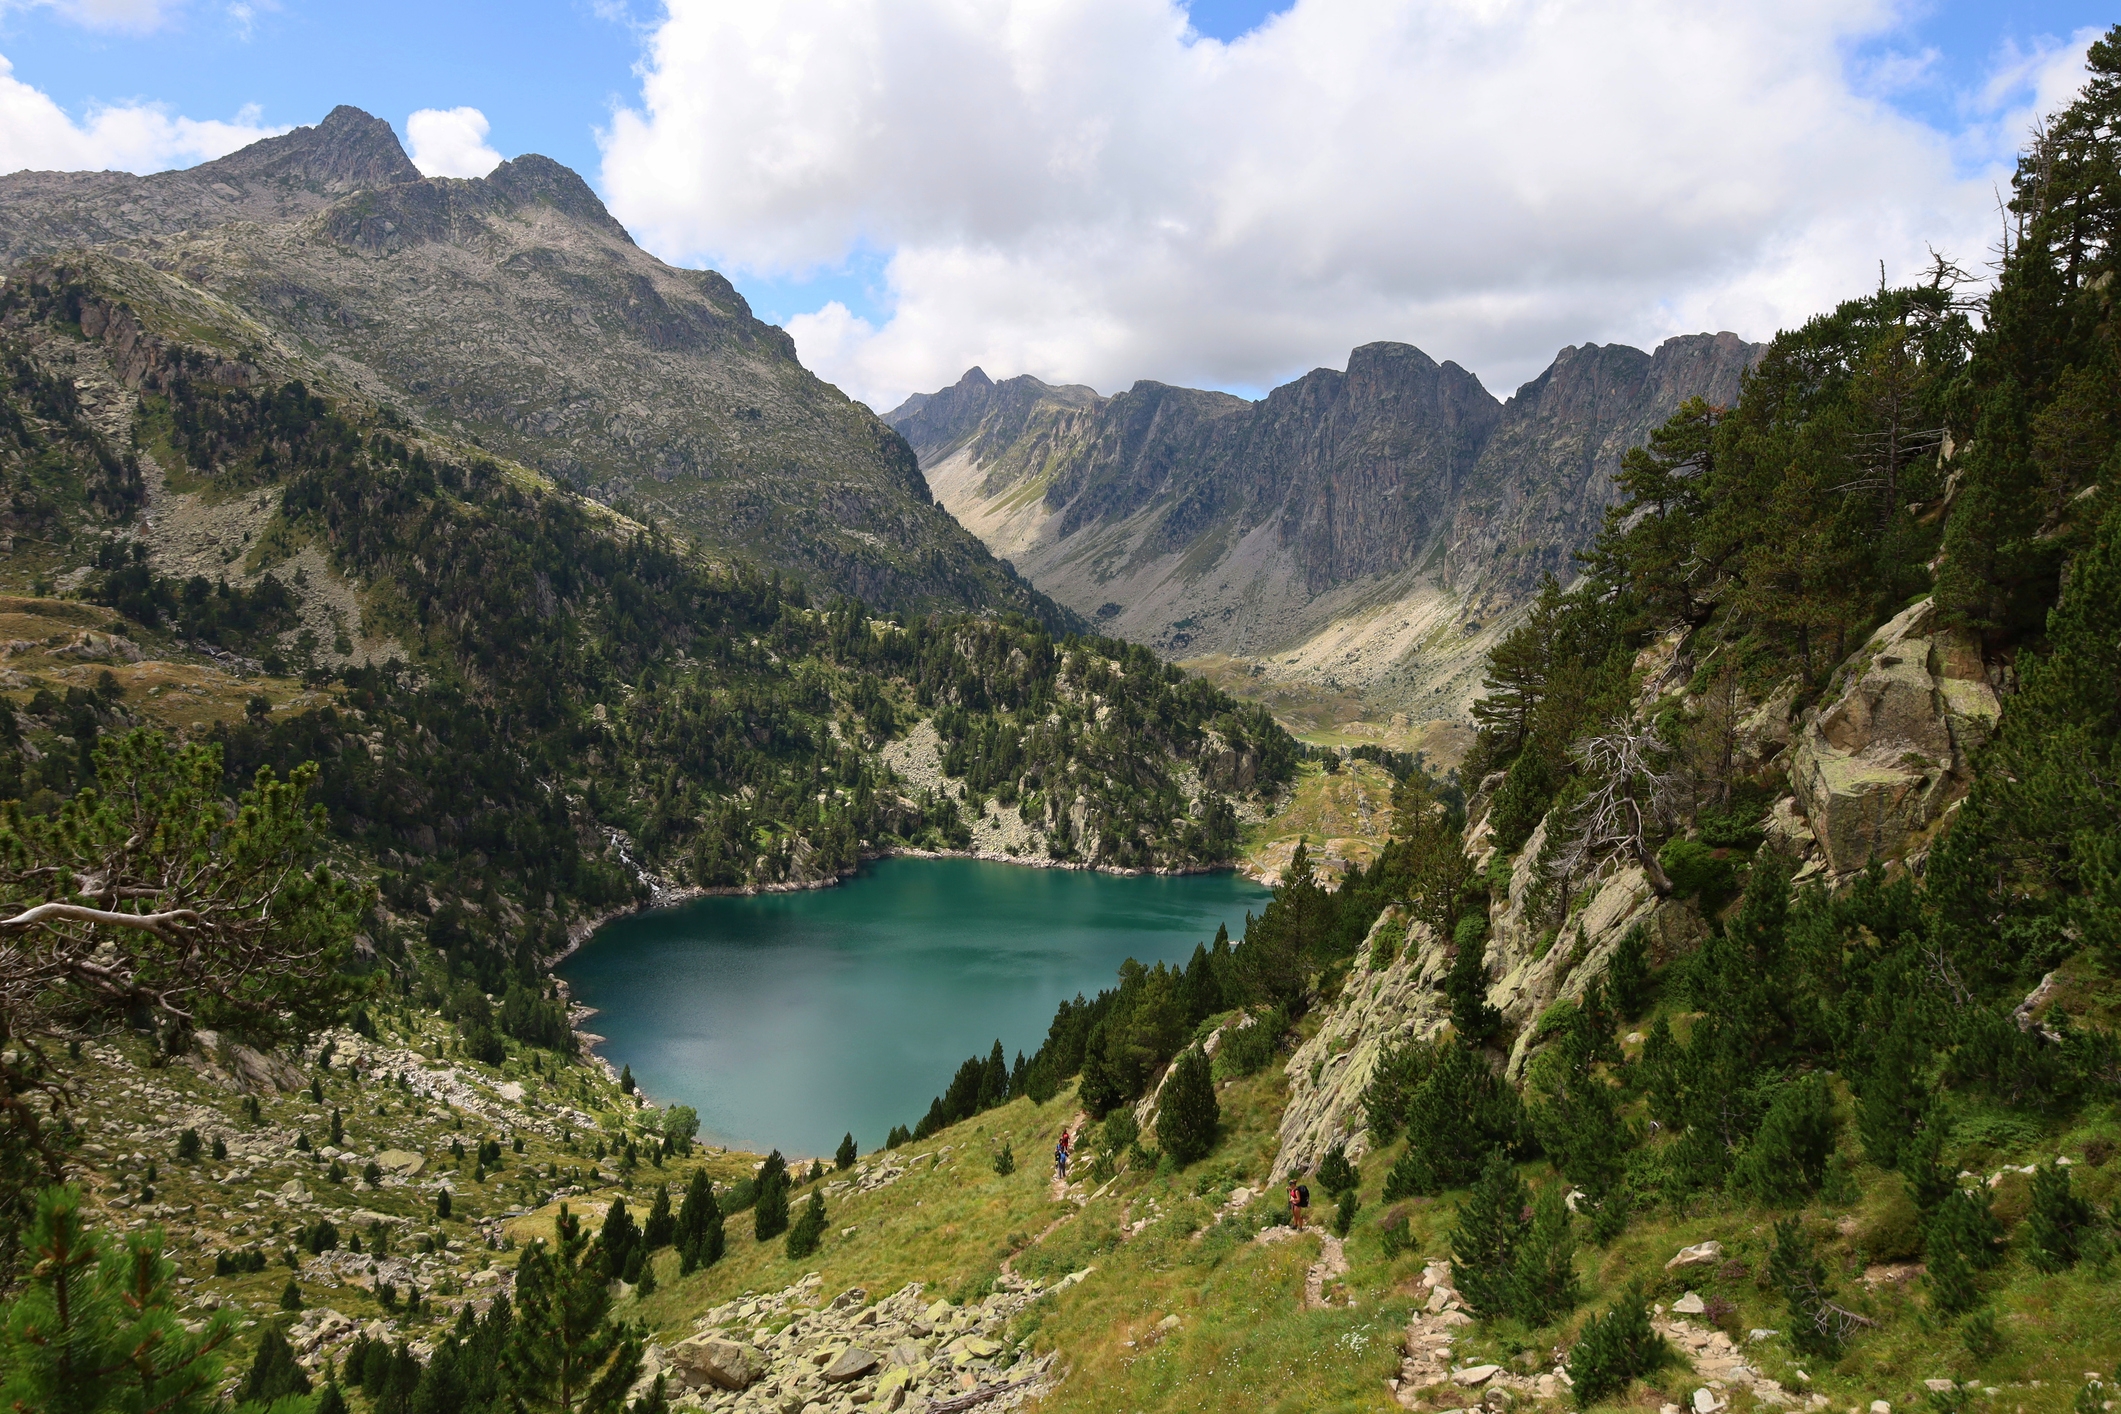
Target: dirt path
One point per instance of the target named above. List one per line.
(1059, 1193)
(1055, 1189)
(1332, 1262)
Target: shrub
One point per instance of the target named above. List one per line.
(2054, 1227)
(1344, 1213)
(1396, 1236)
(291, 1296)
(188, 1145)
(844, 1156)
(1246, 1050)
(1120, 1130)
(1005, 1161)
(1615, 1349)
(1980, 1335)
(1696, 872)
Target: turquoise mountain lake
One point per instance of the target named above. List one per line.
(790, 1019)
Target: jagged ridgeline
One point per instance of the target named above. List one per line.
(530, 708)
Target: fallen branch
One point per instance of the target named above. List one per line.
(978, 1396)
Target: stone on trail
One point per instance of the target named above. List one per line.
(1473, 1375)
(1701, 1254)
(1690, 1304)
(854, 1362)
(1705, 1401)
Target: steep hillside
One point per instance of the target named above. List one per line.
(527, 708)
(514, 312)
(1366, 531)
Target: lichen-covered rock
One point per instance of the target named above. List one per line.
(1882, 763)
(706, 1360)
(1376, 1009)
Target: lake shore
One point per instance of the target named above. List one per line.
(582, 929)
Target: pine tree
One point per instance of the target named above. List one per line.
(661, 1227)
(1188, 1113)
(994, 1078)
(1614, 1349)
(1410, 1176)
(808, 1230)
(71, 1335)
(769, 1212)
(843, 1157)
(1786, 1160)
(2054, 1227)
(1544, 1287)
(699, 1234)
(1628, 975)
(1005, 1161)
(274, 1373)
(1467, 984)
(566, 1356)
(1335, 1174)
(1794, 1268)
(626, 1079)
(620, 1239)
(1489, 1232)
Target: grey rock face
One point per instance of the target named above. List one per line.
(1202, 523)
(1887, 757)
(513, 311)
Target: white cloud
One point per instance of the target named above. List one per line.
(450, 142)
(1081, 190)
(35, 133)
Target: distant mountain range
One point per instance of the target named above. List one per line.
(1369, 531)
(513, 311)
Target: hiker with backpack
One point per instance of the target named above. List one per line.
(1299, 1205)
(1060, 1157)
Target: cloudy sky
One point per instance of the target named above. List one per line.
(1097, 191)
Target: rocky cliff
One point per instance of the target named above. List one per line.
(514, 311)
(1369, 529)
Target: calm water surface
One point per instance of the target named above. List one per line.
(790, 1019)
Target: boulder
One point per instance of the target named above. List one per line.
(1475, 1375)
(706, 1360)
(1701, 1254)
(1890, 754)
(854, 1362)
(402, 1162)
(1690, 1304)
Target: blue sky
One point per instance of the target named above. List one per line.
(548, 74)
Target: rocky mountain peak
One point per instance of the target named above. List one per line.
(534, 178)
(349, 151)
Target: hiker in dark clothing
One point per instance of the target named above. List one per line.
(1299, 1205)
(1060, 1156)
